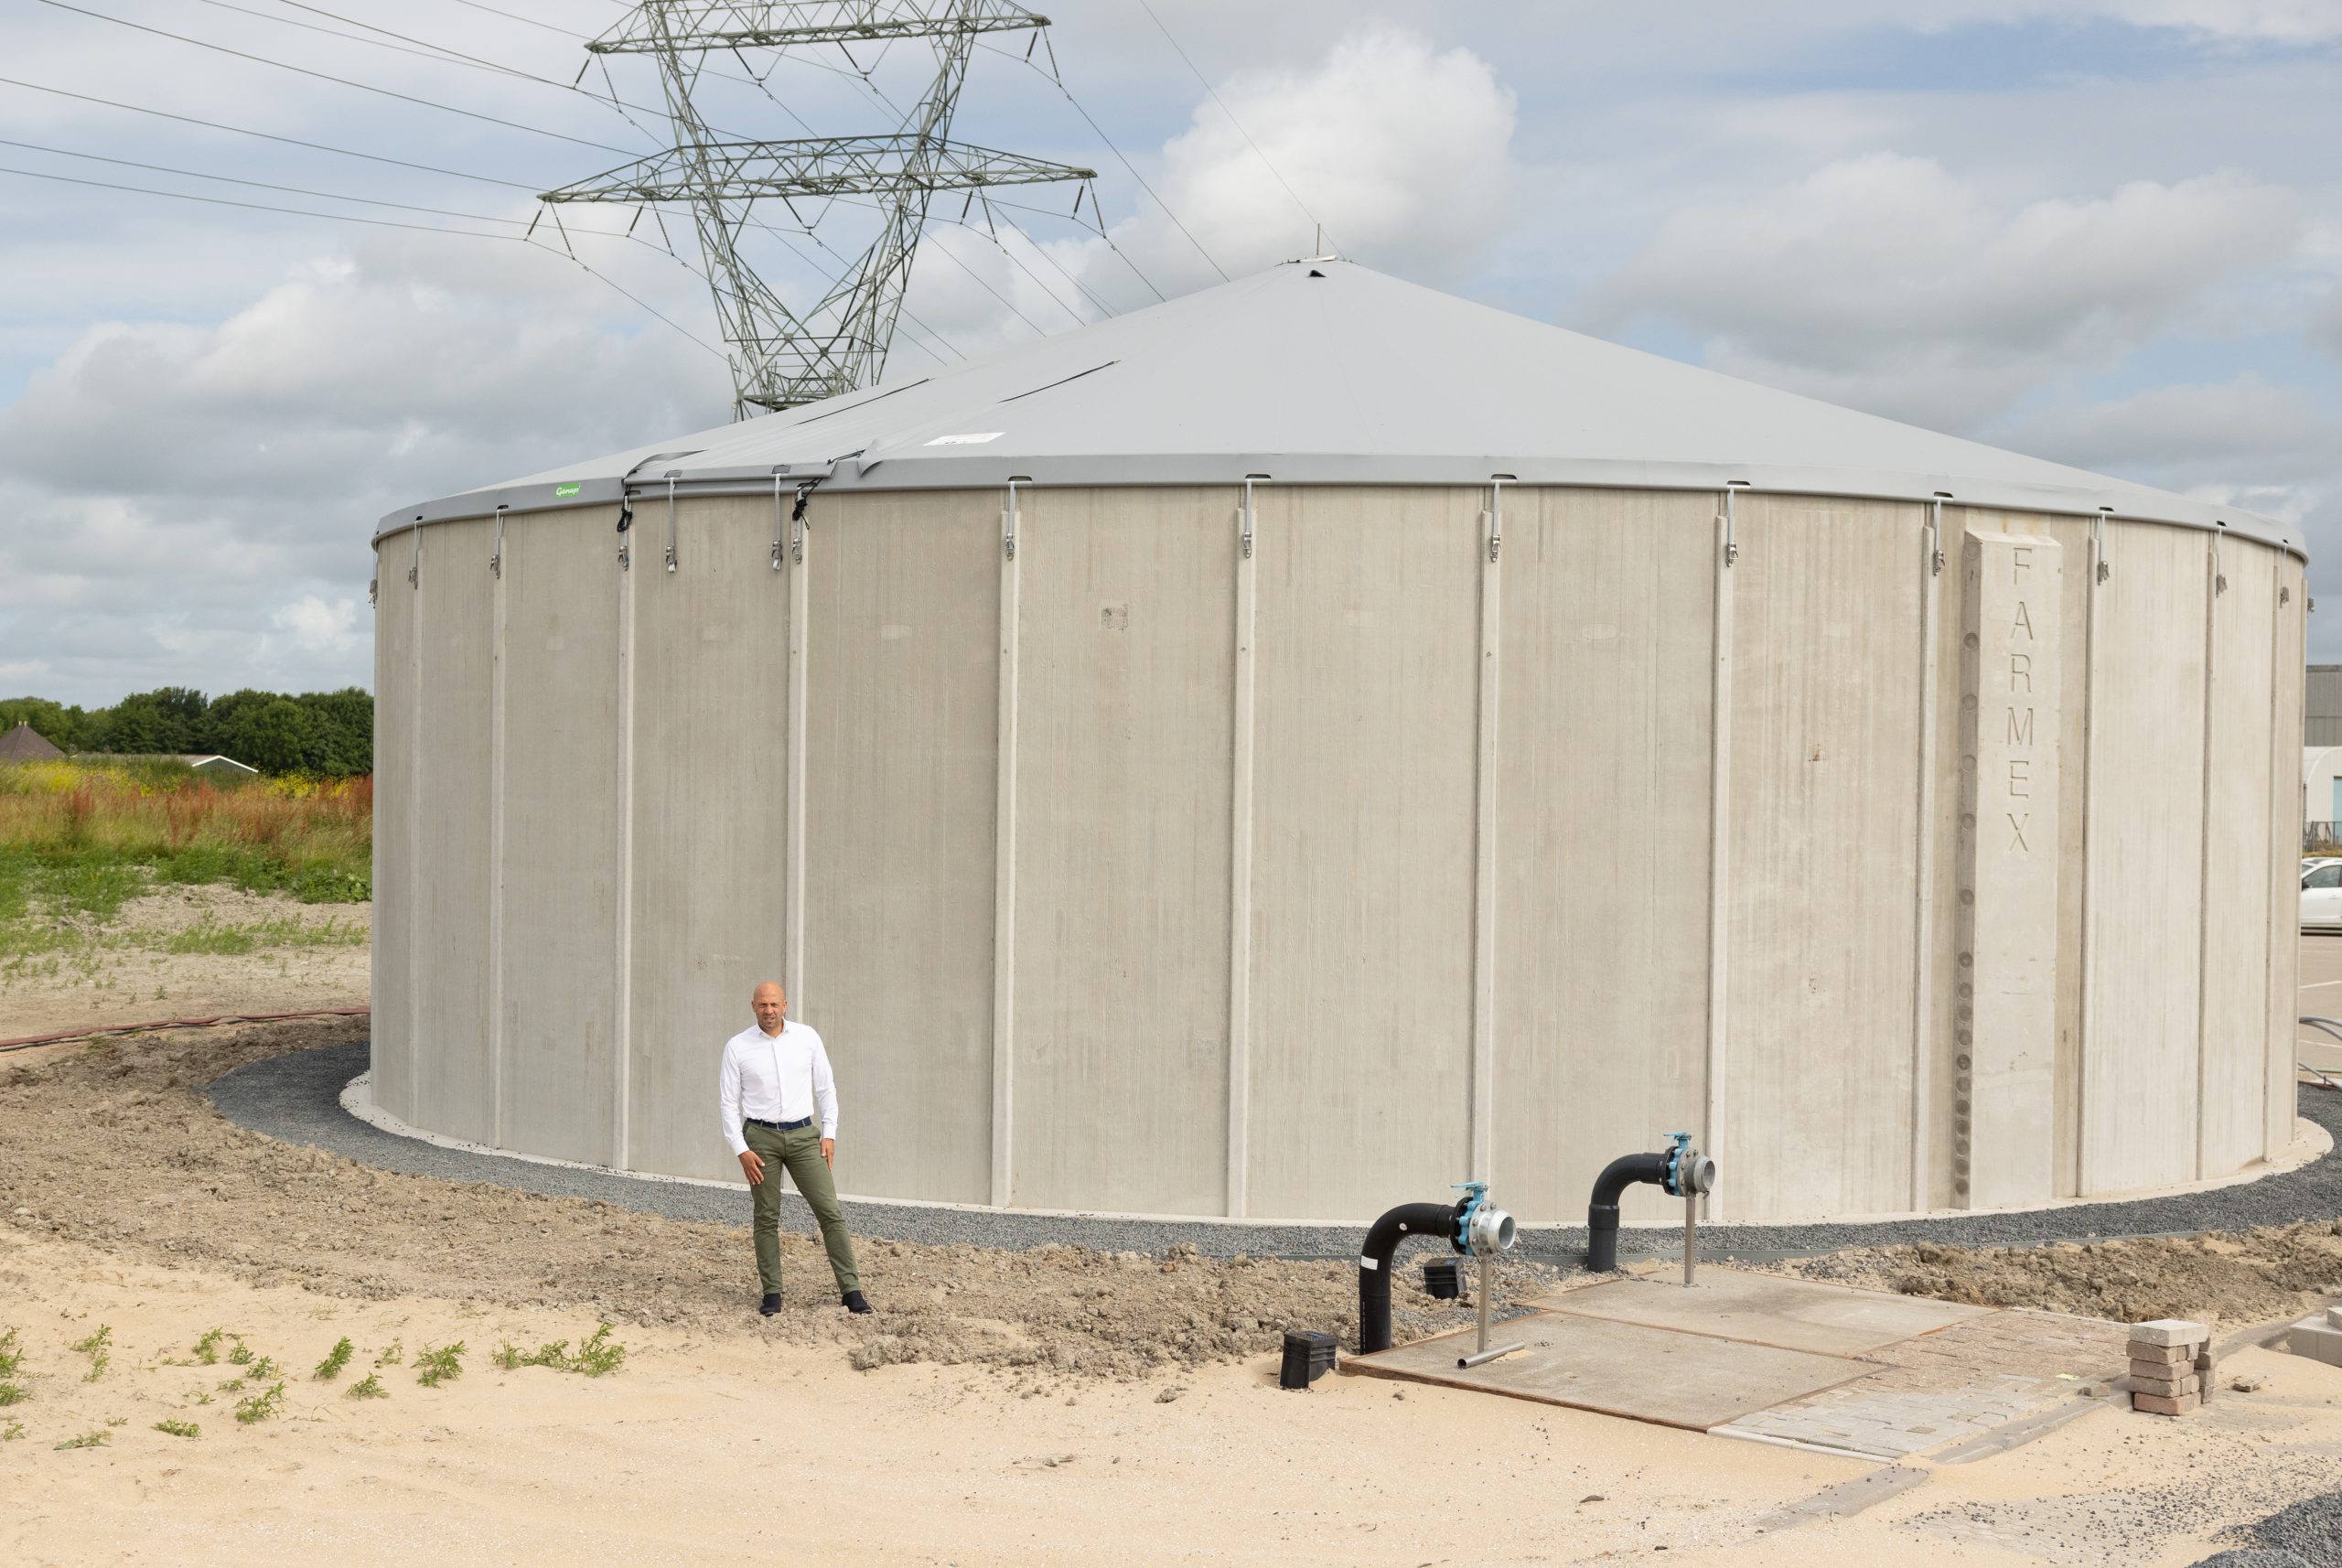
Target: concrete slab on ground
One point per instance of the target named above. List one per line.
(1766, 1309)
(1661, 1375)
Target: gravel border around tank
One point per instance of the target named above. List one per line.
(297, 1098)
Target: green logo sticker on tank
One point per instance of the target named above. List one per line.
(565, 490)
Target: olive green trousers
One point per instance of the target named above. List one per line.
(798, 1151)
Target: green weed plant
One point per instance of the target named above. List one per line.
(264, 1406)
(336, 1360)
(370, 1387)
(440, 1365)
(596, 1356)
(179, 1428)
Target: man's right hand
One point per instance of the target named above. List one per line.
(754, 1166)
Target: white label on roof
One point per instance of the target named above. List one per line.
(976, 439)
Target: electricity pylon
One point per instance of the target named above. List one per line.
(780, 357)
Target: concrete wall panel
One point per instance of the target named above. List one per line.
(391, 1055)
(904, 658)
(2237, 949)
(2070, 706)
(1126, 658)
(453, 787)
(709, 876)
(2146, 806)
(1367, 722)
(1602, 839)
(2284, 1003)
(1824, 802)
(561, 870)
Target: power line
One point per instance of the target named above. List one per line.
(372, 223)
(341, 81)
(1058, 82)
(1214, 94)
(268, 136)
(287, 189)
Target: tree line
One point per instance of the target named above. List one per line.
(329, 732)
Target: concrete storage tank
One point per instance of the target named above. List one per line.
(1285, 750)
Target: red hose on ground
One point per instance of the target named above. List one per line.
(29, 1041)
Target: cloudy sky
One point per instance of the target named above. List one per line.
(2105, 232)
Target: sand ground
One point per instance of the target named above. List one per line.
(707, 1445)
(1053, 1407)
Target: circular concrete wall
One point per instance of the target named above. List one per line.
(1431, 834)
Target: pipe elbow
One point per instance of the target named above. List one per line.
(1624, 1171)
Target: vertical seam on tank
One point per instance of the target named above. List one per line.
(496, 671)
(1240, 873)
(2204, 844)
(1723, 556)
(1482, 1137)
(793, 805)
(2086, 1019)
(415, 827)
(1923, 870)
(2272, 892)
(1002, 1154)
(622, 978)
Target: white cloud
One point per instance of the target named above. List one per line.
(162, 478)
(1888, 282)
(1401, 149)
(2232, 433)
(316, 627)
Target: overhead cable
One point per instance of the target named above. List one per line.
(1214, 94)
(268, 136)
(342, 80)
(372, 223)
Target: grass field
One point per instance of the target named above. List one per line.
(76, 842)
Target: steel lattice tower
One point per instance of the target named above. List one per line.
(781, 357)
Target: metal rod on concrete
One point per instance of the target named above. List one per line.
(1690, 1235)
(1488, 1291)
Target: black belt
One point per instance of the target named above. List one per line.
(780, 1126)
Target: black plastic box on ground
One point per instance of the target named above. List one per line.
(1443, 1278)
(1309, 1356)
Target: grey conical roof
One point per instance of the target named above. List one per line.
(1325, 371)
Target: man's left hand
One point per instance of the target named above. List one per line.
(830, 1153)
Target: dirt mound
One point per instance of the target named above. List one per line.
(112, 1146)
(2268, 1273)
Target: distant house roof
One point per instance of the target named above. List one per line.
(26, 743)
(202, 762)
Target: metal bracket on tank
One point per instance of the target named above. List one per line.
(2219, 578)
(1732, 519)
(415, 566)
(1008, 518)
(495, 557)
(1496, 483)
(1244, 540)
(671, 476)
(1935, 535)
(2102, 571)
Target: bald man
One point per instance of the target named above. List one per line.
(775, 1081)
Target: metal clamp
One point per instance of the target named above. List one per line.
(671, 475)
(797, 523)
(415, 565)
(1496, 483)
(779, 468)
(625, 522)
(1731, 520)
(1935, 535)
(2102, 571)
(1008, 518)
(496, 558)
(1245, 521)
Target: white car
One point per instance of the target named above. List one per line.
(2322, 894)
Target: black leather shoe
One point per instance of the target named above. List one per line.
(770, 1305)
(853, 1302)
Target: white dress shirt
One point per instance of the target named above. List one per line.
(776, 1078)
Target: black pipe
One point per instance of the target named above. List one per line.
(1602, 1214)
(1382, 1240)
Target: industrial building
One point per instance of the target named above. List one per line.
(1289, 749)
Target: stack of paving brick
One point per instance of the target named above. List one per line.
(2318, 1337)
(2171, 1365)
